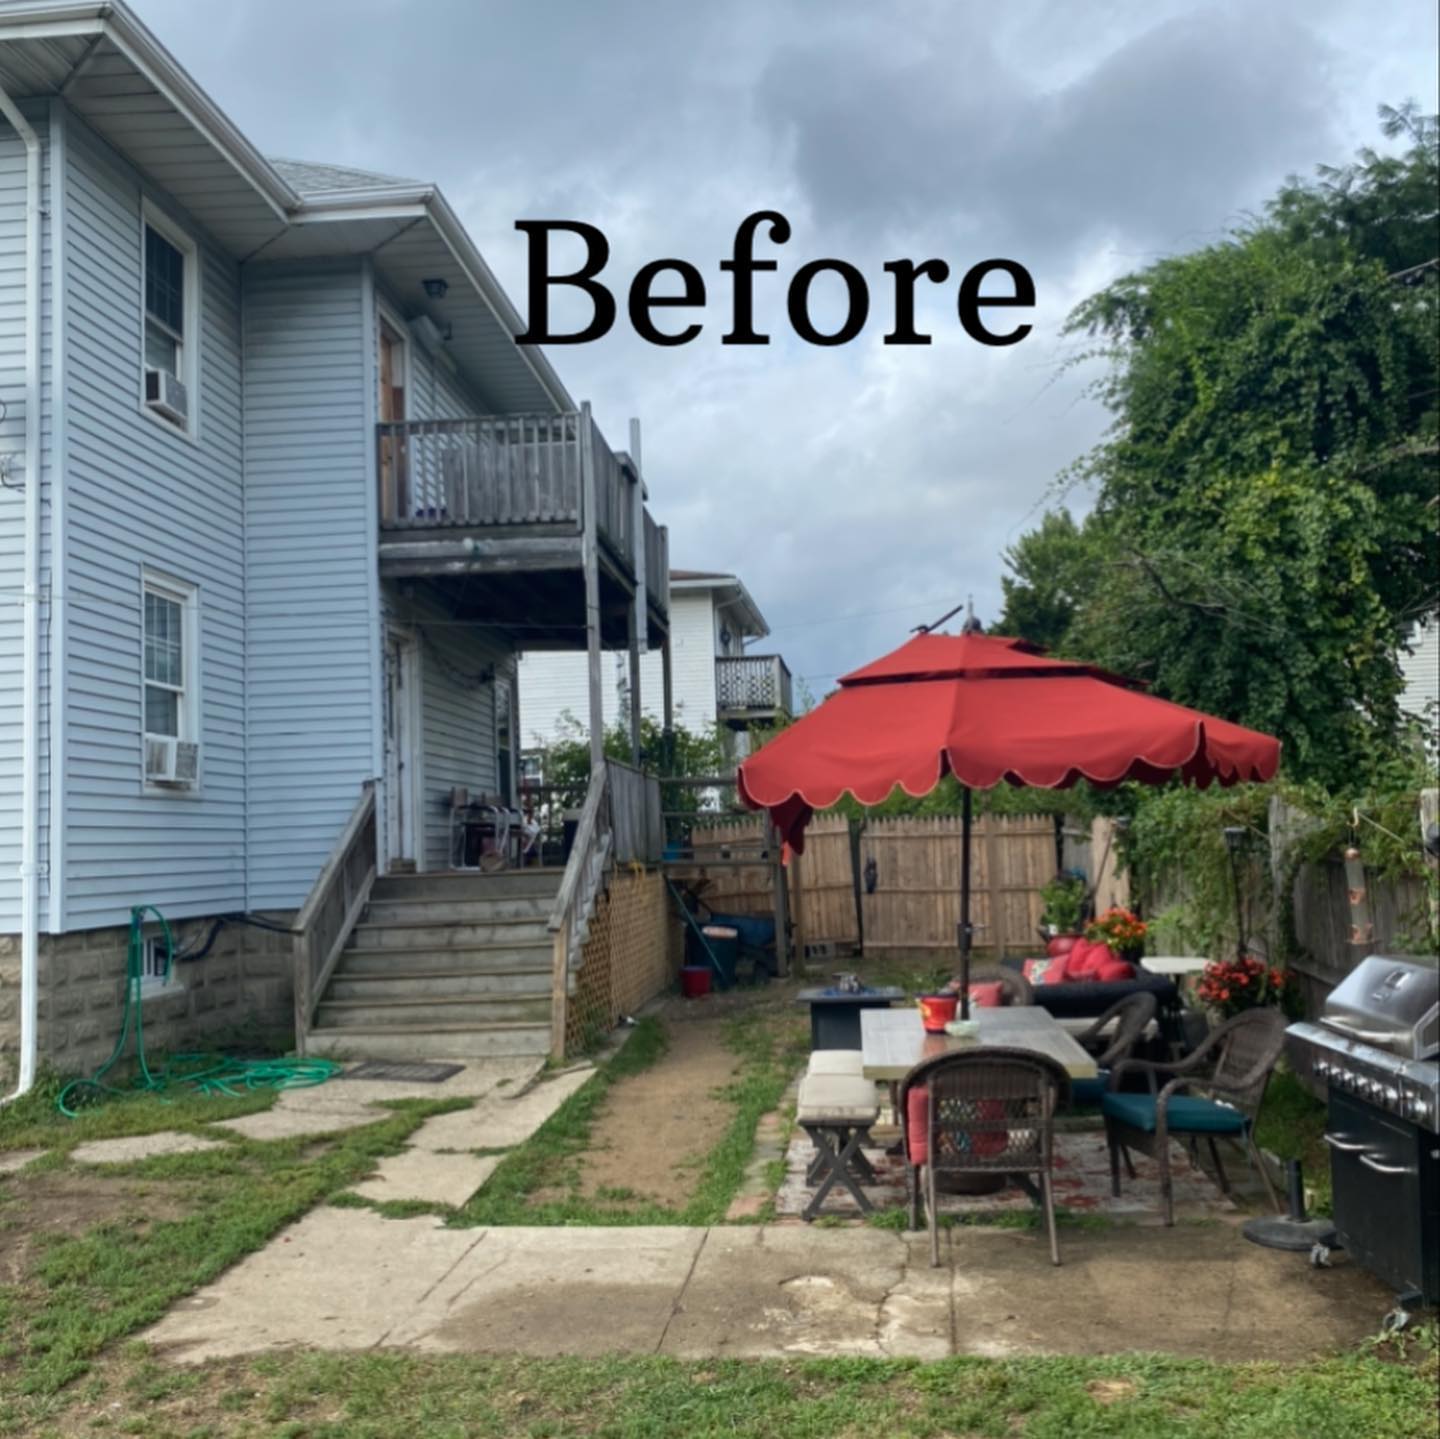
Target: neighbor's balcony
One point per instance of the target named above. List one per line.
(499, 496)
(752, 688)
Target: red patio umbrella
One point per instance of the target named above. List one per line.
(987, 709)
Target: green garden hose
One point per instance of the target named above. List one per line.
(197, 1073)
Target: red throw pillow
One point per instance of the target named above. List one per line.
(917, 1124)
(1085, 959)
(1061, 944)
(1059, 970)
(1112, 971)
(987, 1143)
(987, 996)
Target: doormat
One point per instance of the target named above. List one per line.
(401, 1072)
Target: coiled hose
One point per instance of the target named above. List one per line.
(196, 1073)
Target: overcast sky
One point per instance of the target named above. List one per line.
(863, 489)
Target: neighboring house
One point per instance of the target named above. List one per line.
(713, 682)
(289, 498)
(1420, 666)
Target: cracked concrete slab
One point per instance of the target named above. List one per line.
(762, 1291)
(419, 1174)
(298, 1114)
(351, 1279)
(497, 1122)
(16, 1159)
(548, 1291)
(339, 1279)
(142, 1146)
(1200, 1290)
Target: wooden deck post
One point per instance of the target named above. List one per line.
(667, 681)
(782, 907)
(640, 600)
(591, 558)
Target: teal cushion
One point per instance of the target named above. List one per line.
(1087, 1093)
(1184, 1114)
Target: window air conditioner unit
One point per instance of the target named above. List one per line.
(166, 395)
(171, 761)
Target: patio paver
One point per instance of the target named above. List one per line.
(421, 1174)
(142, 1146)
(16, 1159)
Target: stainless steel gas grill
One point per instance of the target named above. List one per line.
(1377, 1047)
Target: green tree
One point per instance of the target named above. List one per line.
(1264, 529)
(1053, 572)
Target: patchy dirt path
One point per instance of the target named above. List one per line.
(655, 1128)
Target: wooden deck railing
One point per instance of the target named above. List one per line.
(335, 903)
(657, 564)
(504, 471)
(750, 683)
(575, 902)
(620, 822)
(635, 814)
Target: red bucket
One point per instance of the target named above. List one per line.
(695, 981)
(936, 1011)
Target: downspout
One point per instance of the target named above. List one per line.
(30, 654)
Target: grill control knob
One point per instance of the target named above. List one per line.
(1323, 1069)
(1419, 1110)
(1392, 1096)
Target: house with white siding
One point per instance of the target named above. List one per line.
(281, 501)
(717, 682)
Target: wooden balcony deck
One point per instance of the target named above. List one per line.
(752, 688)
(515, 506)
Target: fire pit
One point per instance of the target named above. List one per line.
(835, 1010)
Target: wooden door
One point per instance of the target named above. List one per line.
(394, 502)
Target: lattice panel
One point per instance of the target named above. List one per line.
(627, 959)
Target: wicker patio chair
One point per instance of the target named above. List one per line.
(981, 1111)
(1014, 987)
(1131, 1017)
(1231, 1068)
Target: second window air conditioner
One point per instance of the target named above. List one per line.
(165, 394)
(171, 761)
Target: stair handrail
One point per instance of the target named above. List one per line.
(575, 901)
(332, 909)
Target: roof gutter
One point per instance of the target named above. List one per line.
(393, 201)
(119, 24)
(30, 601)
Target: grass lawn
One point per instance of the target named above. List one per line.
(88, 1258)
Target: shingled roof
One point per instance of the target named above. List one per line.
(315, 179)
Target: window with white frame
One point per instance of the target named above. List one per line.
(171, 680)
(171, 315)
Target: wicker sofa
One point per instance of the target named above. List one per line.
(1087, 999)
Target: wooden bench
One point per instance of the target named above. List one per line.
(837, 1111)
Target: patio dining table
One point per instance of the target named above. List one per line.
(893, 1041)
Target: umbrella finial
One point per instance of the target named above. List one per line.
(972, 626)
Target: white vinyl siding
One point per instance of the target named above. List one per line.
(313, 635)
(554, 694)
(141, 497)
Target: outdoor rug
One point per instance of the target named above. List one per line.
(1081, 1181)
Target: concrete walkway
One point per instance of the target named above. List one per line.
(511, 1098)
(351, 1279)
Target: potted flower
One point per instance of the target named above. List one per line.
(1229, 986)
(1121, 930)
(1064, 904)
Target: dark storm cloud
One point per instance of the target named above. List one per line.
(862, 490)
(1159, 140)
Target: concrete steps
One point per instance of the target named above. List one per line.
(429, 1041)
(444, 965)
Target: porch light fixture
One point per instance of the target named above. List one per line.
(437, 287)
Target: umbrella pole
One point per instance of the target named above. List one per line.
(967, 930)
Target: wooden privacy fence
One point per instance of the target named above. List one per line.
(915, 866)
